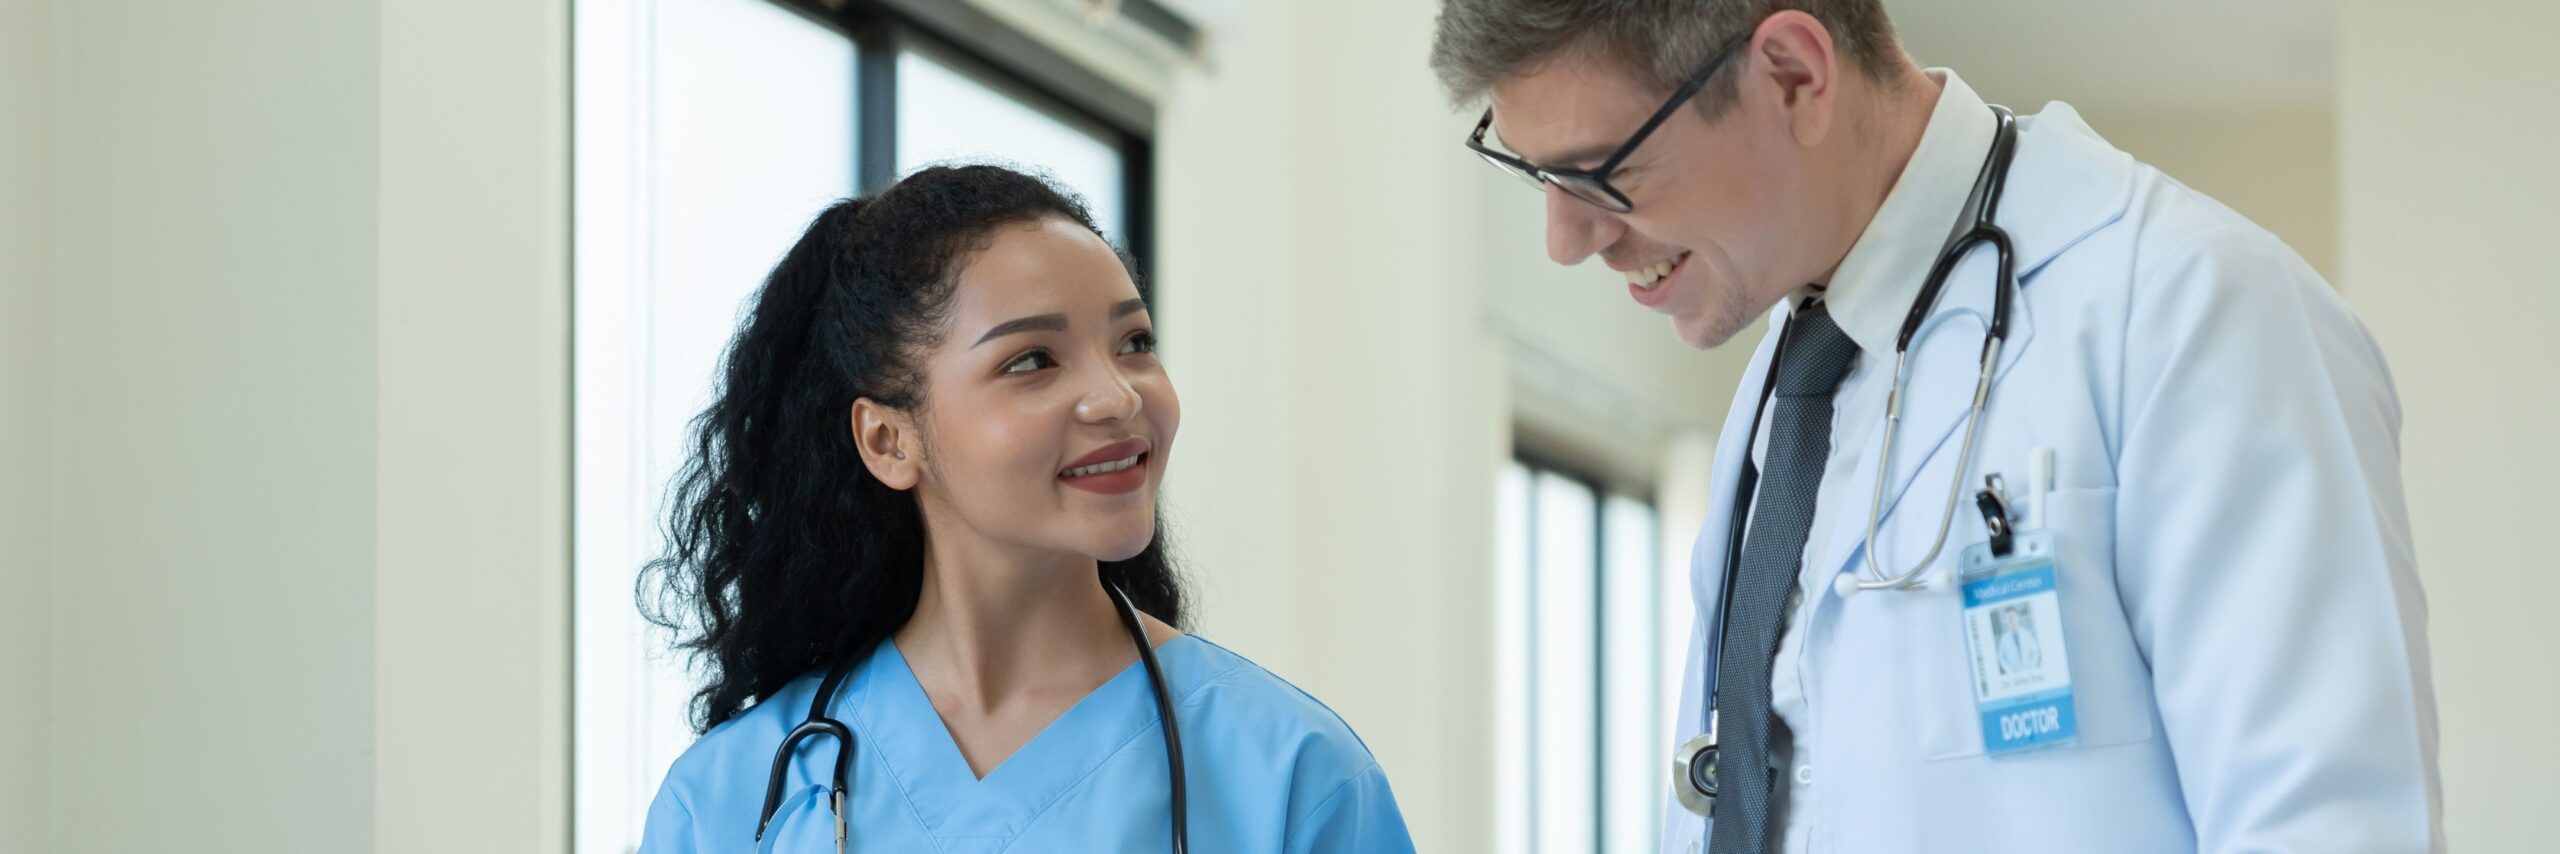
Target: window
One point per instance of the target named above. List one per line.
(1581, 638)
(708, 134)
(946, 114)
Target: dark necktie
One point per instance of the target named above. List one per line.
(1816, 356)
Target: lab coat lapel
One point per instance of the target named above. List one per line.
(2064, 184)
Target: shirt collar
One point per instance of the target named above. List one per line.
(1873, 289)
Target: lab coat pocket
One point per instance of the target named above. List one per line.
(2111, 691)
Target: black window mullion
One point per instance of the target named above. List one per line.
(875, 157)
(1539, 468)
(883, 30)
(1138, 206)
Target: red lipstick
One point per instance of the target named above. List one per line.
(1124, 465)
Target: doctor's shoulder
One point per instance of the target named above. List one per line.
(2159, 241)
(2190, 251)
(2178, 282)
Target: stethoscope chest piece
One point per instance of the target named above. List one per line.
(1693, 775)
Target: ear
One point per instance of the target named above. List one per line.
(1803, 71)
(887, 440)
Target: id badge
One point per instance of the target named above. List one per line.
(2013, 636)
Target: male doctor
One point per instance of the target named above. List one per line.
(2020, 651)
(2241, 635)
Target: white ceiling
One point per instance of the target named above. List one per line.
(2144, 55)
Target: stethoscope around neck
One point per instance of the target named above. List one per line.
(1694, 768)
(840, 787)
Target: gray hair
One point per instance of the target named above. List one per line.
(1481, 43)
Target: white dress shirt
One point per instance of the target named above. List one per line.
(1868, 296)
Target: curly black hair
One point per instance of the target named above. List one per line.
(784, 555)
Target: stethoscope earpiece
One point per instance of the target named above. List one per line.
(1845, 584)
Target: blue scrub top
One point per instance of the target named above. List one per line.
(1269, 769)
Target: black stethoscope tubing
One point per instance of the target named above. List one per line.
(818, 723)
(1983, 203)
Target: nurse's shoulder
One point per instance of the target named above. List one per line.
(717, 784)
(1244, 716)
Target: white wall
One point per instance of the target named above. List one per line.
(470, 615)
(1230, 270)
(211, 646)
(26, 379)
(1333, 483)
(1349, 300)
(283, 427)
(2449, 117)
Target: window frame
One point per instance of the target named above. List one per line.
(1015, 64)
(988, 51)
(1536, 460)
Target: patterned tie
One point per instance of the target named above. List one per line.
(1816, 357)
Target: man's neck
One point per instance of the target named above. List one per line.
(1890, 120)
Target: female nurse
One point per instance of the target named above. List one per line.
(932, 467)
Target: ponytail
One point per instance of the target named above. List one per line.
(784, 554)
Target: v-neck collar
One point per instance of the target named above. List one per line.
(897, 723)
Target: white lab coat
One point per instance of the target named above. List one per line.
(2246, 633)
(2019, 652)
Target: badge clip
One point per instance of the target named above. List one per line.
(1993, 501)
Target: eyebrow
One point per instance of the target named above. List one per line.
(1052, 322)
(1034, 323)
(1586, 157)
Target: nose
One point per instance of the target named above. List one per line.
(1576, 228)
(1108, 397)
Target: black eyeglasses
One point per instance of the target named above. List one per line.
(1593, 185)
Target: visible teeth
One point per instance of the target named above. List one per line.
(1103, 468)
(1646, 276)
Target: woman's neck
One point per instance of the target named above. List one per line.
(995, 629)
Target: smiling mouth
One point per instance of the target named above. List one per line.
(1119, 465)
(1647, 277)
(1122, 476)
